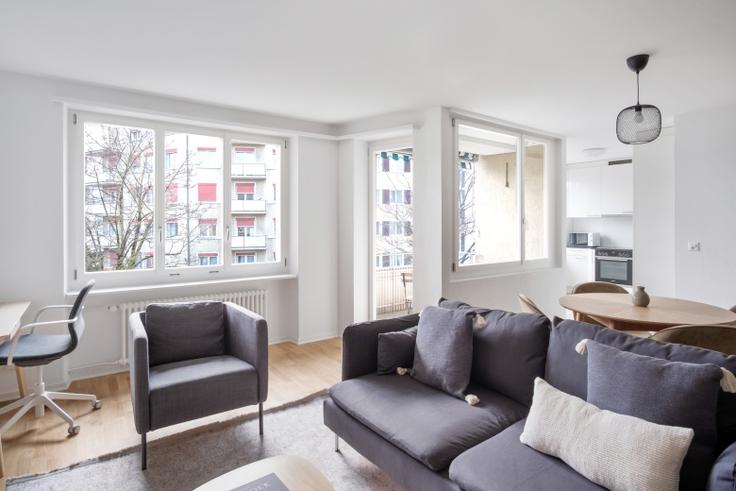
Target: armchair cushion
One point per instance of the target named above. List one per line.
(185, 390)
(396, 350)
(184, 331)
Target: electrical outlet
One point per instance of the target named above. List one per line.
(693, 246)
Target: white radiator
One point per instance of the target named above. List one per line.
(254, 300)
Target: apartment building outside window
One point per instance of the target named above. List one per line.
(155, 200)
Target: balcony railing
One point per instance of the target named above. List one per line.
(248, 242)
(393, 295)
(250, 171)
(248, 206)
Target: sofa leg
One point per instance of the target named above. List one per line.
(337, 443)
(144, 453)
(260, 418)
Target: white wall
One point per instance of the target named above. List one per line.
(705, 206)
(317, 243)
(32, 204)
(654, 214)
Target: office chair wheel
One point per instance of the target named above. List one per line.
(73, 430)
(97, 404)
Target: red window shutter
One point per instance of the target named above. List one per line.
(245, 150)
(386, 196)
(407, 197)
(246, 221)
(407, 164)
(245, 187)
(207, 191)
(208, 254)
(208, 221)
(206, 149)
(172, 192)
(171, 150)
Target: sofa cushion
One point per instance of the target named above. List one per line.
(686, 395)
(184, 331)
(723, 474)
(424, 422)
(395, 349)
(443, 352)
(617, 451)
(567, 370)
(189, 389)
(510, 352)
(503, 463)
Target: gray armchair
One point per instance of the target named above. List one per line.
(190, 360)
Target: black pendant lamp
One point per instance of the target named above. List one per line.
(641, 123)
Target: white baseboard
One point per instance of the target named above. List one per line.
(317, 337)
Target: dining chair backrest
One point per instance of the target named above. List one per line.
(528, 305)
(714, 337)
(598, 287)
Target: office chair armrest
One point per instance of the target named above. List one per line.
(50, 307)
(28, 329)
(246, 337)
(138, 366)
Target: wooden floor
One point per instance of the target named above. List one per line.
(37, 445)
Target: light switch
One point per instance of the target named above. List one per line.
(693, 246)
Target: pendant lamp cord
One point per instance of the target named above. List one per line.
(637, 87)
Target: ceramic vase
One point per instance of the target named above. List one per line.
(640, 297)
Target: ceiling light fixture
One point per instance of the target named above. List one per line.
(641, 123)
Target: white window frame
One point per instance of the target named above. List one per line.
(76, 276)
(472, 271)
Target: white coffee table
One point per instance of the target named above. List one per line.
(295, 472)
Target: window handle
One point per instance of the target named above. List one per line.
(160, 233)
(228, 232)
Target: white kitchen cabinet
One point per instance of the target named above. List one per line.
(617, 189)
(583, 191)
(599, 189)
(580, 266)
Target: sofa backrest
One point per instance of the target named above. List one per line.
(184, 331)
(509, 352)
(567, 370)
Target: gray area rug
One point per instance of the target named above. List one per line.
(187, 460)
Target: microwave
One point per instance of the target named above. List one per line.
(585, 239)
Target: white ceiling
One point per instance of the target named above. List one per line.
(558, 66)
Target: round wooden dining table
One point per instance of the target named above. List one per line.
(616, 311)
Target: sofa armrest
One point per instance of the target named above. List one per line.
(723, 474)
(246, 337)
(138, 367)
(360, 343)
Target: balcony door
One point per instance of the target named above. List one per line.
(392, 220)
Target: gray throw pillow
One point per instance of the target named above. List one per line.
(184, 331)
(663, 392)
(569, 373)
(396, 349)
(443, 354)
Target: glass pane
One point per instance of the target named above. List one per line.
(118, 208)
(488, 213)
(535, 201)
(193, 196)
(393, 239)
(256, 211)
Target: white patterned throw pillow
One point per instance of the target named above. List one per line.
(619, 452)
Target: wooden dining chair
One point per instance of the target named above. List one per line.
(714, 337)
(528, 305)
(595, 287)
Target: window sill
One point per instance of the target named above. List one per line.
(99, 295)
(480, 276)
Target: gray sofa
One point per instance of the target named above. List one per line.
(192, 360)
(428, 440)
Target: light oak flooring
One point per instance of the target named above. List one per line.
(36, 445)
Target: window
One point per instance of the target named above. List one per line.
(398, 162)
(393, 196)
(245, 258)
(172, 229)
(245, 191)
(208, 259)
(207, 191)
(153, 204)
(502, 203)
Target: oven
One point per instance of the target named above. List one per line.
(614, 265)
